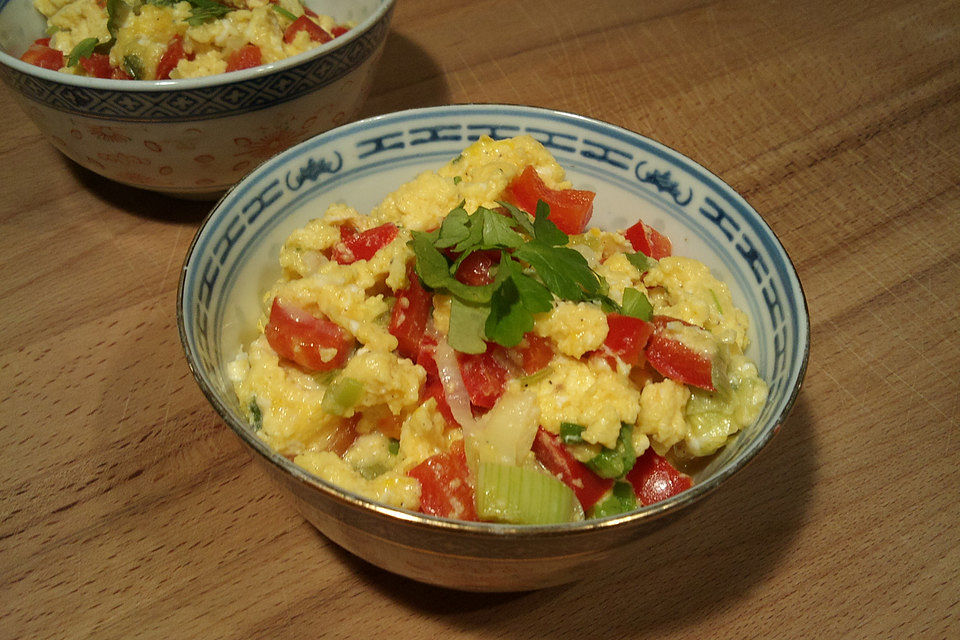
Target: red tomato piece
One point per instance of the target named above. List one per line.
(304, 23)
(338, 31)
(355, 246)
(42, 55)
(484, 376)
(648, 241)
(408, 320)
(445, 486)
(475, 268)
(627, 336)
(119, 74)
(535, 351)
(570, 209)
(654, 479)
(245, 57)
(552, 454)
(97, 65)
(433, 388)
(303, 338)
(170, 58)
(673, 359)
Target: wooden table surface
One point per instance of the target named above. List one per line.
(130, 510)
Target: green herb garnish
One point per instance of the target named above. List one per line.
(255, 414)
(535, 266)
(83, 49)
(571, 433)
(636, 304)
(286, 14)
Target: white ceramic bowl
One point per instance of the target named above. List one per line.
(195, 137)
(234, 258)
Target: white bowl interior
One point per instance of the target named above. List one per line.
(235, 255)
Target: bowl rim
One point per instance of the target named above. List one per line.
(494, 530)
(203, 82)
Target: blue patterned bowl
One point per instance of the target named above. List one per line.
(234, 258)
(195, 137)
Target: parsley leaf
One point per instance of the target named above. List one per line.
(636, 304)
(544, 229)
(521, 217)
(203, 10)
(497, 232)
(466, 326)
(563, 270)
(513, 304)
(83, 49)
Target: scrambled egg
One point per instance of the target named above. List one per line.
(210, 32)
(393, 425)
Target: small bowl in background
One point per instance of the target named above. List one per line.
(195, 137)
(234, 259)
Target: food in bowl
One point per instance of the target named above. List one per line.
(470, 349)
(166, 39)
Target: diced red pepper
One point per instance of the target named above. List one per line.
(654, 479)
(535, 352)
(41, 54)
(570, 209)
(627, 336)
(97, 65)
(446, 489)
(673, 359)
(648, 241)
(303, 338)
(338, 31)
(355, 246)
(245, 57)
(170, 58)
(344, 435)
(484, 376)
(552, 454)
(475, 268)
(409, 318)
(304, 23)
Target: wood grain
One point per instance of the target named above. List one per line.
(128, 510)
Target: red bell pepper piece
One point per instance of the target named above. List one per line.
(484, 376)
(475, 268)
(408, 320)
(648, 241)
(41, 54)
(673, 359)
(170, 58)
(245, 57)
(446, 489)
(627, 336)
(355, 246)
(304, 23)
(570, 209)
(654, 479)
(552, 454)
(303, 338)
(97, 65)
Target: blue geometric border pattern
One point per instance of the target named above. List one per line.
(185, 105)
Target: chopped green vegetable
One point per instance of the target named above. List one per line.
(83, 49)
(716, 300)
(636, 304)
(505, 493)
(621, 499)
(536, 376)
(616, 462)
(255, 414)
(394, 446)
(203, 10)
(341, 396)
(283, 12)
(133, 65)
(571, 433)
(457, 179)
(641, 261)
